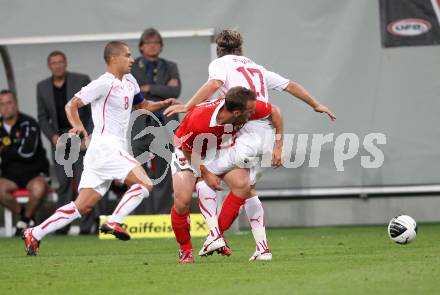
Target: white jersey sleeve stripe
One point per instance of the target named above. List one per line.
(103, 109)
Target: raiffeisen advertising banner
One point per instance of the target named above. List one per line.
(156, 226)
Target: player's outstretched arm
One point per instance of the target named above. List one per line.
(205, 92)
(300, 92)
(277, 121)
(154, 106)
(73, 116)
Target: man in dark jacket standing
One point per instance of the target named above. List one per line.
(52, 95)
(158, 79)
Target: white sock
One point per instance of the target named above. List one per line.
(131, 199)
(208, 206)
(255, 213)
(62, 217)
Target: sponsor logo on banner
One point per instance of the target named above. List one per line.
(409, 27)
(155, 226)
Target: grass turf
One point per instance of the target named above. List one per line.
(326, 260)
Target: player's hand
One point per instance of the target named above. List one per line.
(175, 109)
(55, 138)
(80, 131)
(277, 156)
(173, 83)
(212, 180)
(171, 101)
(323, 109)
(85, 142)
(145, 88)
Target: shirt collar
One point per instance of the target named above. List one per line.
(155, 63)
(113, 77)
(19, 119)
(213, 121)
(110, 75)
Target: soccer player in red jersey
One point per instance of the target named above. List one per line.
(232, 69)
(203, 142)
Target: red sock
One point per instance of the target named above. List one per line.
(181, 226)
(230, 209)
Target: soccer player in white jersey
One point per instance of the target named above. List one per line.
(216, 121)
(112, 97)
(232, 69)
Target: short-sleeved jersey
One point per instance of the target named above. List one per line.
(235, 70)
(202, 119)
(111, 100)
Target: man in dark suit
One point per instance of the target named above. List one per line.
(52, 95)
(158, 79)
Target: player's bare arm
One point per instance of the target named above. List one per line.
(300, 92)
(154, 106)
(205, 92)
(73, 116)
(277, 121)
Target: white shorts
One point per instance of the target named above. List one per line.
(180, 163)
(253, 149)
(106, 160)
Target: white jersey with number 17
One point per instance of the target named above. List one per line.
(235, 70)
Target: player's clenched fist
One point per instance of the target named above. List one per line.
(277, 156)
(172, 101)
(80, 131)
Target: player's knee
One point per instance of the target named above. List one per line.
(38, 191)
(242, 191)
(182, 202)
(242, 184)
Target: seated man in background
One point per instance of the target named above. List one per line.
(23, 160)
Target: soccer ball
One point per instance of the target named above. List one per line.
(402, 229)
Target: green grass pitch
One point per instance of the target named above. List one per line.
(325, 260)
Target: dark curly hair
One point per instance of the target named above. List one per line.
(237, 97)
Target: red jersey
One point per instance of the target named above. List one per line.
(202, 119)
